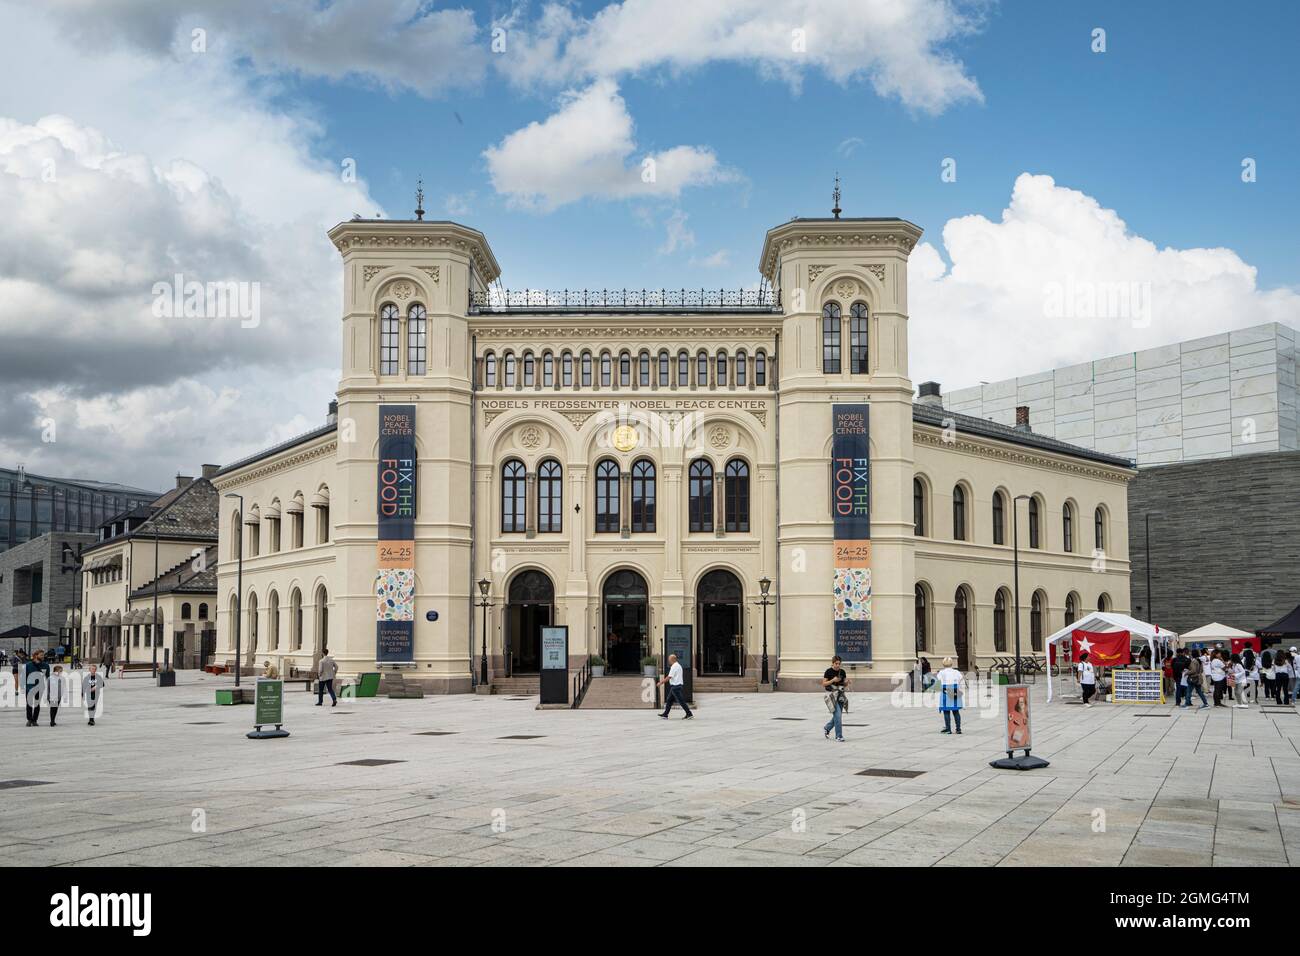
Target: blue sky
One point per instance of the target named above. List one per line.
(207, 137)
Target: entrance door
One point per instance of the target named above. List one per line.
(960, 631)
(626, 620)
(530, 608)
(719, 599)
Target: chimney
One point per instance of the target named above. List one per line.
(929, 394)
(210, 470)
(1022, 418)
(183, 480)
(332, 416)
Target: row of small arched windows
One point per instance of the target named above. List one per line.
(607, 370)
(961, 525)
(250, 534)
(1003, 604)
(634, 510)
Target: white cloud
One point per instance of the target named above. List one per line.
(678, 234)
(586, 149)
(896, 45)
(1043, 287)
(718, 260)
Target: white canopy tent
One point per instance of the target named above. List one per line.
(1104, 622)
(1214, 632)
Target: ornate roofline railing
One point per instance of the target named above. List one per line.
(624, 300)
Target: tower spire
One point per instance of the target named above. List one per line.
(835, 196)
(419, 199)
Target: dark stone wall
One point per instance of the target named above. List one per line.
(1226, 544)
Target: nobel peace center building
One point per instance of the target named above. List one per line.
(743, 475)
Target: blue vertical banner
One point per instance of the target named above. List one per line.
(851, 509)
(395, 551)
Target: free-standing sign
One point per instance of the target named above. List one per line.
(1015, 700)
(395, 559)
(851, 508)
(268, 709)
(677, 640)
(555, 665)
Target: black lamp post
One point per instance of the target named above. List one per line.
(1151, 604)
(153, 626)
(1015, 538)
(239, 581)
(765, 585)
(483, 586)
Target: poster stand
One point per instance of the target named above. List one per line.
(1017, 731)
(268, 709)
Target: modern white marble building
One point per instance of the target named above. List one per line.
(1214, 397)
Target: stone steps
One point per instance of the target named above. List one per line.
(747, 684)
(616, 693)
(517, 686)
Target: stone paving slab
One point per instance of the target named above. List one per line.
(733, 787)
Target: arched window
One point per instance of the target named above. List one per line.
(742, 361)
(185, 611)
(490, 370)
(858, 338)
(550, 497)
(1036, 605)
(1071, 608)
(959, 513)
(548, 370)
(918, 507)
(665, 370)
(702, 369)
(1067, 527)
(736, 490)
(683, 369)
(417, 322)
(295, 618)
(643, 370)
(760, 368)
(1000, 621)
(586, 370)
(514, 496)
(510, 369)
(721, 377)
(1103, 601)
(203, 612)
(999, 518)
(1033, 524)
(530, 370)
(643, 496)
(830, 338)
(273, 621)
(390, 345)
(606, 370)
(922, 621)
(1099, 529)
(701, 495)
(566, 370)
(624, 369)
(607, 496)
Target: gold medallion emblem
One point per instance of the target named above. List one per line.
(625, 438)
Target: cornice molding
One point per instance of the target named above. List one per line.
(622, 333)
(274, 464)
(922, 435)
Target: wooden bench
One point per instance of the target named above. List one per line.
(306, 681)
(135, 667)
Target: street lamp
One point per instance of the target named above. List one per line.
(1151, 612)
(239, 581)
(1015, 538)
(765, 585)
(153, 625)
(483, 586)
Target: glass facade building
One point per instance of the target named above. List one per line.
(33, 505)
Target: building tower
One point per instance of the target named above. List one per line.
(843, 285)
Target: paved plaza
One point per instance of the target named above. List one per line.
(493, 781)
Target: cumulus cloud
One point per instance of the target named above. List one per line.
(586, 149)
(1060, 280)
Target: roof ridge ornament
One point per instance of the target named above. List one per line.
(419, 199)
(835, 196)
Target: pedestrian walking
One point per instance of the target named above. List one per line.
(1237, 679)
(326, 671)
(1283, 671)
(1250, 663)
(1087, 678)
(951, 691)
(1178, 674)
(1266, 672)
(58, 687)
(92, 687)
(835, 682)
(1195, 675)
(1218, 677)
(1295, 672)
(36, 682)
(676, 693)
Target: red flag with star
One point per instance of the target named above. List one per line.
(1110, 649)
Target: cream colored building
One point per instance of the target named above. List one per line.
(618, 463)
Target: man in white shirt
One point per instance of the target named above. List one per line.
(676, 690)
(1087, 679)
